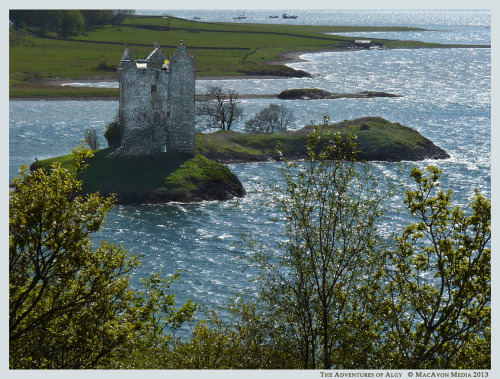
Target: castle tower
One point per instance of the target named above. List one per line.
(181, 109)
(156, 107)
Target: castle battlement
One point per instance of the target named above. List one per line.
(157, 103)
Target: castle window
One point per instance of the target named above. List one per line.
(168, 114)
(154, 88)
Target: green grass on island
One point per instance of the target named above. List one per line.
(376, 139)
(219, 49)
(174, 177)
(156, 178)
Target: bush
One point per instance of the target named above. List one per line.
(113, 135)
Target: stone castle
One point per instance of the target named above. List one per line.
(157, 103)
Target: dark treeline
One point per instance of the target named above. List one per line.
(65, 22)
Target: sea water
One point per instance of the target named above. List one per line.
(446, 96)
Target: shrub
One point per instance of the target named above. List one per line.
(113, 135)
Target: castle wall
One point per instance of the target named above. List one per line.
(156, 111)
(182, 106)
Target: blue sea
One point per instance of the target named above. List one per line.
(446, 96)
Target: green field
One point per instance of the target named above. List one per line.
(219, 49)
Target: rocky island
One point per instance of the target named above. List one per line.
(316, 93)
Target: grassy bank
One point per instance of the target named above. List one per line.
(376, 138)
(170, 177)
(219, 48)
(159, 178)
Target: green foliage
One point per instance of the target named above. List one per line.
(72, 23)
(248, 338)
(337, 295)
(160, 319)
(69, 22)
(70, 304)
(325, 281)
(440, 279)
(80, 155)
(334, 294)
(64, 295)
(113, 134)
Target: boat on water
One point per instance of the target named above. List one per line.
(196, 18)
(287, 16)
(240, 17)
(274, 16)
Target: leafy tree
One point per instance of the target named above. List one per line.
(247, 338)
(325, 281)
(70, 303)
(159, 320)
(272, 119)
(72, 23)
(96, 17)
(113, 135)
(440, 280)
(66, 22)
(221, 109)
(79, 156)
(335, 294)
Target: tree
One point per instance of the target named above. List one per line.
(113, 135)
(247, 338)
(96, 17)
(119, 15)
(272, 119)
(440, 281)
(72, 23)
(70, 303)
(324, 283)
(221, 109)
(91, 138)
(79, 156)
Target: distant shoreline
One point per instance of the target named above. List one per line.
(284, 57)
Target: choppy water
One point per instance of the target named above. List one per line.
(446, 97)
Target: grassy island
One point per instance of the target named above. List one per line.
(168, 177)
(154, 179)
(38, 63)
(376, 138)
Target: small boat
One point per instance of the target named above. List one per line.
(274, 16)
(240, 17)
(196, 18)
(287, 16)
